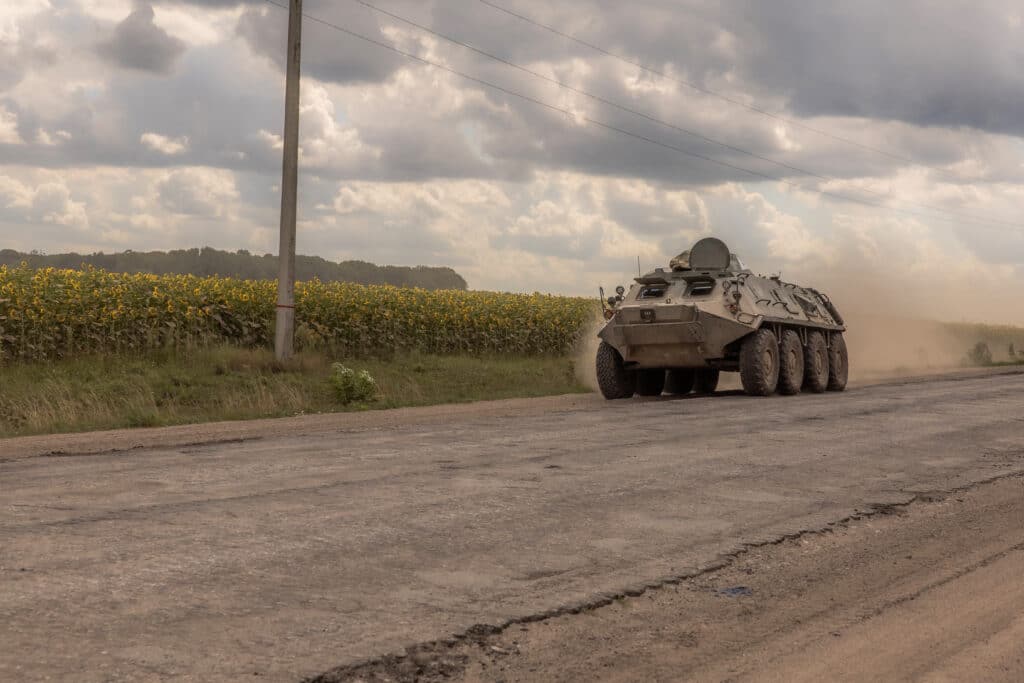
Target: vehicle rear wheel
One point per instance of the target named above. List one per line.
(759, 363)
(650, 382)
(791, 363)
(679, 381)
(838, 363)
(816, 363)
(706, 380)
(613, 379)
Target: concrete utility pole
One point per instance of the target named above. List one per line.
(284, 331)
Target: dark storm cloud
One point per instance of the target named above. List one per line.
(218, 4)
(138, 43)
(926, 63)
(326, 54)
(933, 64)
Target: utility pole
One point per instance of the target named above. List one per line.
(284, 331)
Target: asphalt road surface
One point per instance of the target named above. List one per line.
(285, 549)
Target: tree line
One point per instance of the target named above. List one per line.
(242, 264)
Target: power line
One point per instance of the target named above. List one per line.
(611, 127)
(713, 93)
(661, 122)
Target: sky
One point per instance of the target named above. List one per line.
(891, 135)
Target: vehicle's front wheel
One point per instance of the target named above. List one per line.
(759, 363)
(650, 382)
(613, 379)
(679, 381)
(838, 363)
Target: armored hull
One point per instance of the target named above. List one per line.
(677, 328)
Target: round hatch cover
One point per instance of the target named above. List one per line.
(709, 253)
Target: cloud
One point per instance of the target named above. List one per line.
(324, 142)
(48, 202)
(48, 139)
(326, 54)
(8, 127)
(202, 192)
(164, 144)
(138, 43)
(947, 64)
(272, 140)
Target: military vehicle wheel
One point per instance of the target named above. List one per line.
(650, 382)
(613, 379)
(759, 363)
(706, 380)
(816, 363)
(679, 381)
(838, 363)
(791, 363)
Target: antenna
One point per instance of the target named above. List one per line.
(638, 273)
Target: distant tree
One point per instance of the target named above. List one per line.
(980, 354)
(242, 264)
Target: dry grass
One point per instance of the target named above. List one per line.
(233, 384)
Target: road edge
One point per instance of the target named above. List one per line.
(212, 433)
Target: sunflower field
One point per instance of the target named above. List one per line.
(49, 313)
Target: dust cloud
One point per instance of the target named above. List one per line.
(888, 346)
(899, 325)
(585, 352)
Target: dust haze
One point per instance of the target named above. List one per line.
(586, 351)
(898, 324)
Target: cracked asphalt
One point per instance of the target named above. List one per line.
(289, 548)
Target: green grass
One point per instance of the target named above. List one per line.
(1006, 363)
(235, 384)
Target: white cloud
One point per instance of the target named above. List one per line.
(11, 15)
(108, 10)
(789, 239)
(46, 202)
(209, 27)
(43, 137)
(52, 203)
(9, 127)
(323, 142)
(14, 193)
(201, 192)
(272, 140)
(164, 144)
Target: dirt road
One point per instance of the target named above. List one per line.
(928, 591)
(290, 554)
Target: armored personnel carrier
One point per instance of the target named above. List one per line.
(676, 330)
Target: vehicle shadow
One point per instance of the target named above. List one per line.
(690, 397)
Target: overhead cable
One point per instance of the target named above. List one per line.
(616, 129)
(666, 124)
(713, 93)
